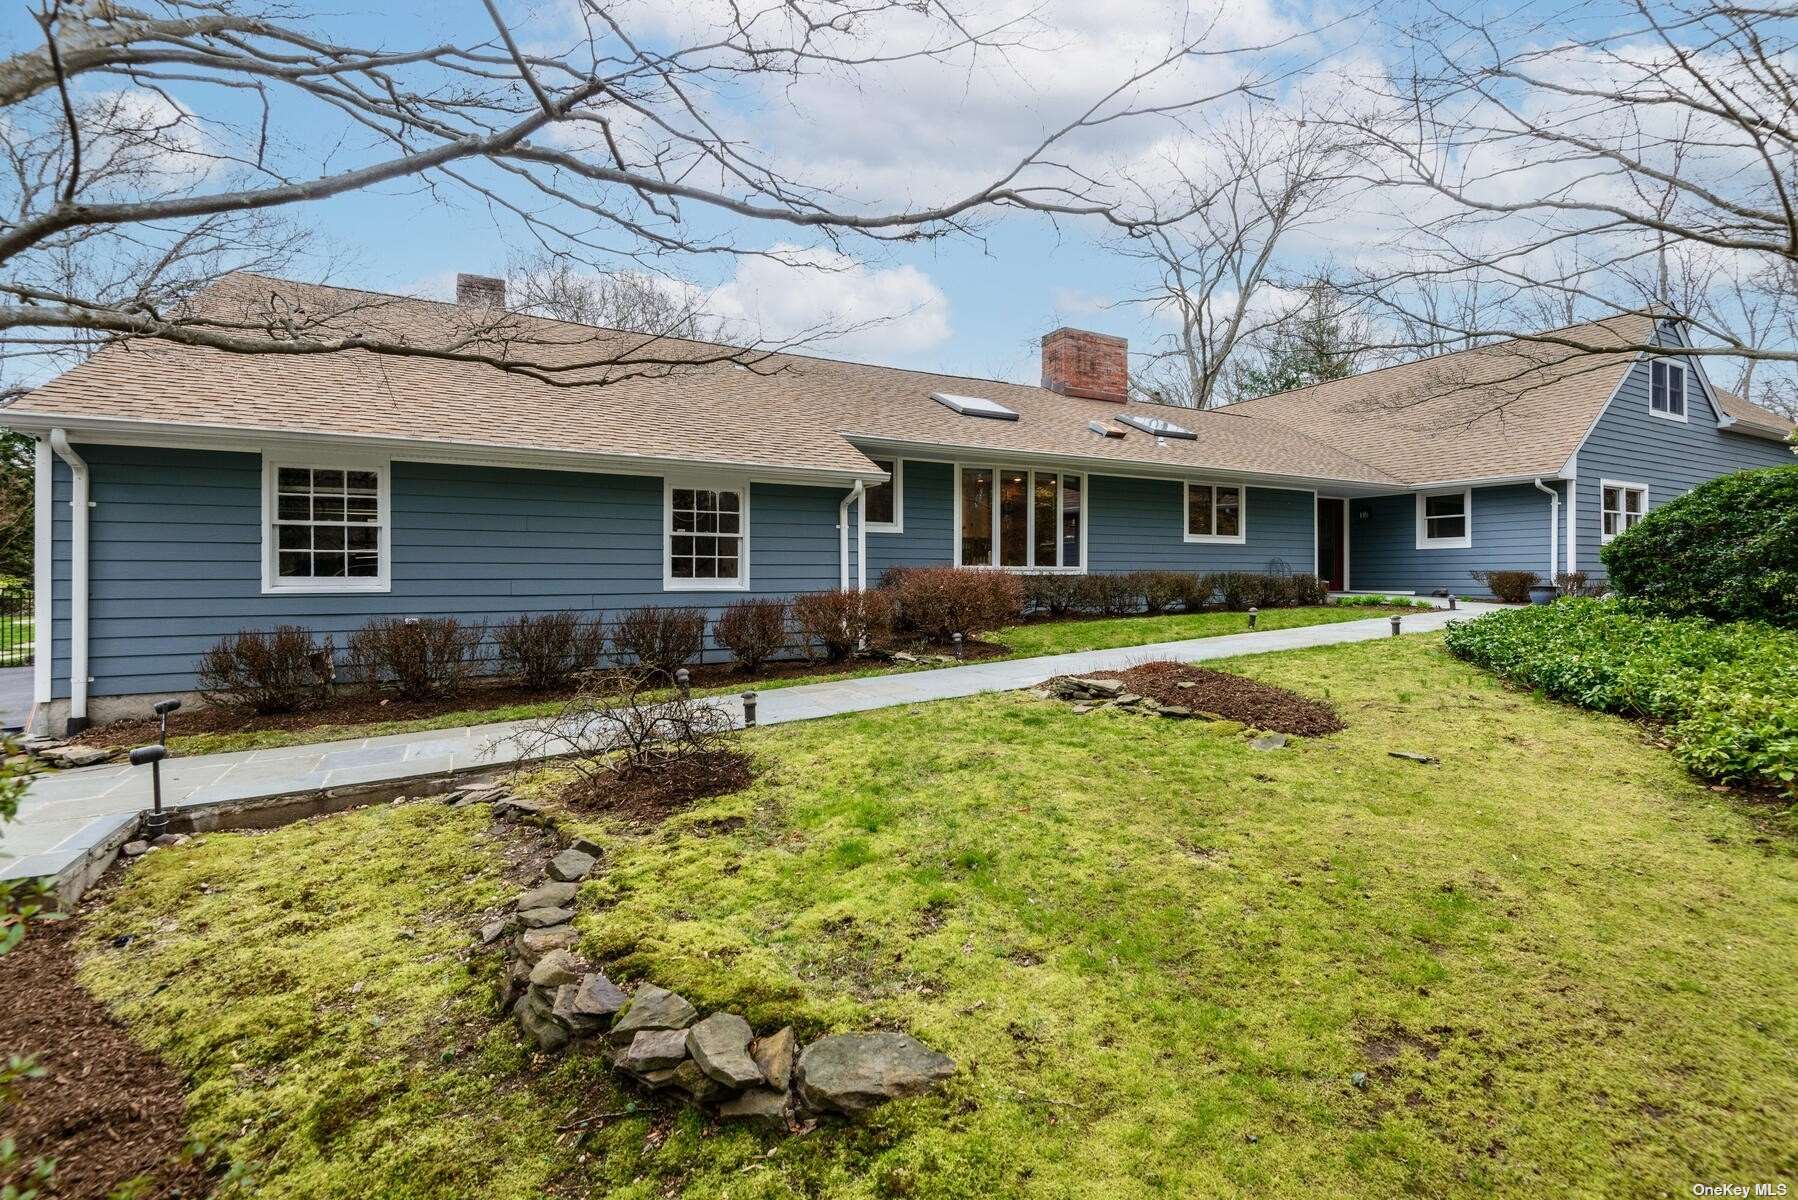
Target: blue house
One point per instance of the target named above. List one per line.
(186, 493)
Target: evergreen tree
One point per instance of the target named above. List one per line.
(1321, 341)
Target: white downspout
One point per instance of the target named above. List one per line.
(855, 494)
(1554, 529)
(78, 553)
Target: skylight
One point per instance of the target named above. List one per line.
(1156, 426)
(974, 406)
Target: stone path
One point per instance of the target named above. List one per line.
(69, 813)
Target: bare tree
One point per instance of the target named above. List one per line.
(1265, 177)
(616, 146)
(551, 285)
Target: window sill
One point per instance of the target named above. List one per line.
(705, 585)
(1214, 539)
(1667, 416)
(1446, 544)
(326, 589)
(871, 528)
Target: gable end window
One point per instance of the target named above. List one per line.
(1216, 512)
(325, 527)
(883, 504)
(1445, 520)
(705, 538)
(1623, 505)
(1667, 390)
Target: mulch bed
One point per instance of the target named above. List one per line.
(355, 708)
(1233, 697)
(648, 795)
(108, 1111)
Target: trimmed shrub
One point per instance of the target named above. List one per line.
(1578, 583)
(1057, 595)
(754, 631)
(275, 672)
(1161, 590)
(840, 622)
(1510, 587)
(421, 658)
(1197, 592)
(1727, 691)
(1299, 591)
(936, 602)
(1238, 590)
(1116, 595)
(660, 640)
(1728, 550)
(549, 650)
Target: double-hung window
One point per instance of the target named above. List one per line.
(1445, 520)
(1623, 505)
(1667, 390)
(1015, 517)
(706, 538)
(883, 504)
(1215, 512)
(325, 527)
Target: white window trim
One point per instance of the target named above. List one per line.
(709, 483)
(897, 524)
(272, 583)
(1086, 512)
(1683, 416)
(1605, 539)
(1240, 537)
(1465, 541)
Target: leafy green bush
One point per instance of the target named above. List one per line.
(1728, 692)
(1728, 550)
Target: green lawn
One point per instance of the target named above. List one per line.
(1023, 641)
(1159, 956)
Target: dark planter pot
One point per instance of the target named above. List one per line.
(1544, 593)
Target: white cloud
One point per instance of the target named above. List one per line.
(832, 303)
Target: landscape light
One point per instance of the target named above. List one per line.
(157, 823)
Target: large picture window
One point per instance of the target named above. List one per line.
(326, 527)
(1667, 390)
(1019, 518)
(1623, 505)
(1445, 520)
(707, 537)
(1214, 513)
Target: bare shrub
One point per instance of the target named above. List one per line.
(1117, 595)
(660, 640)
(550, 649)
(1161, 590)
(1578, 583)
(1197, 592)
(754, 631)
(839, 622)
(420, 658)
(1057, 595)
(1511, 587)
(279, 671)
(937, 602)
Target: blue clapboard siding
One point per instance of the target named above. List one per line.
(1631, 444)
(176, 554)
(1139, 524)
(1510, 533)
(927, 539)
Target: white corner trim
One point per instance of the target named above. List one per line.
(1241, 536)
(272, 583)
(1572, 523)
(1605, 539)
(897, 524)
(1465, 541)
(713, 483)
(79, 504)
(43, 577)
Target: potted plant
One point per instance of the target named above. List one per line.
(1544, 593)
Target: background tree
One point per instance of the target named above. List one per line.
(1321, 340)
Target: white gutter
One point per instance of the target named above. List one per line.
(78, 548)
(1554, 528)
(43, 546)
(855, 494)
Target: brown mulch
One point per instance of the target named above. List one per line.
(647, 795)
(355, 708)
(1233, 697)
(107, 1111)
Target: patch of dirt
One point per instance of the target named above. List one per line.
(1233, 697)
(647, 795)
(1381, 1048)
(107, 1111)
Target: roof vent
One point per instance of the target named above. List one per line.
(974, 406)
(1104, 430)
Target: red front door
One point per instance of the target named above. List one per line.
(1332, 546)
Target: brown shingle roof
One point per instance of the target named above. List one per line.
(1749, 413)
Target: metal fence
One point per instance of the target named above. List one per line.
(17, 632)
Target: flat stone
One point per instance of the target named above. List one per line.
(1099, 687)
(598, 997)
(853, 1072)
(533, 944)
(1184, 684)
(1177, 711)
(492, 932)
(1268, 741)
(587, 846)
(169, 840)
(665, 1078)
(1082, 709)
(453, 798)
(654, 1050)
(774, 1055)
(764, 1106)
(1413, 756)
(653, 1008)
(570, 866)
(538, 1024)
(513, 983)
(542, 918)
(135, 848)
(1127, 700)
(512, 806)
(700, 1087)
(74, 756)
(566, 1010)
(557, 968)
(720, 1045)
(547, 895)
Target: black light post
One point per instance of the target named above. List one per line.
(1453, 603)
(749, 709)
(157, 823)
(956, 638)
(162, 710)
(1253, 614)
(1395, 617)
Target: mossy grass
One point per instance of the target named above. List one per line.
(1160, 957)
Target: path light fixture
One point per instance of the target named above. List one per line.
(162, 710)
(1253, 614)
(1453, 603)
(749, 709)
(157, 823)
(1395, 618)
(684, 682)
(956, 638)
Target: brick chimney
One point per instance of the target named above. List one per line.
(482, 291)
(1092, 366)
